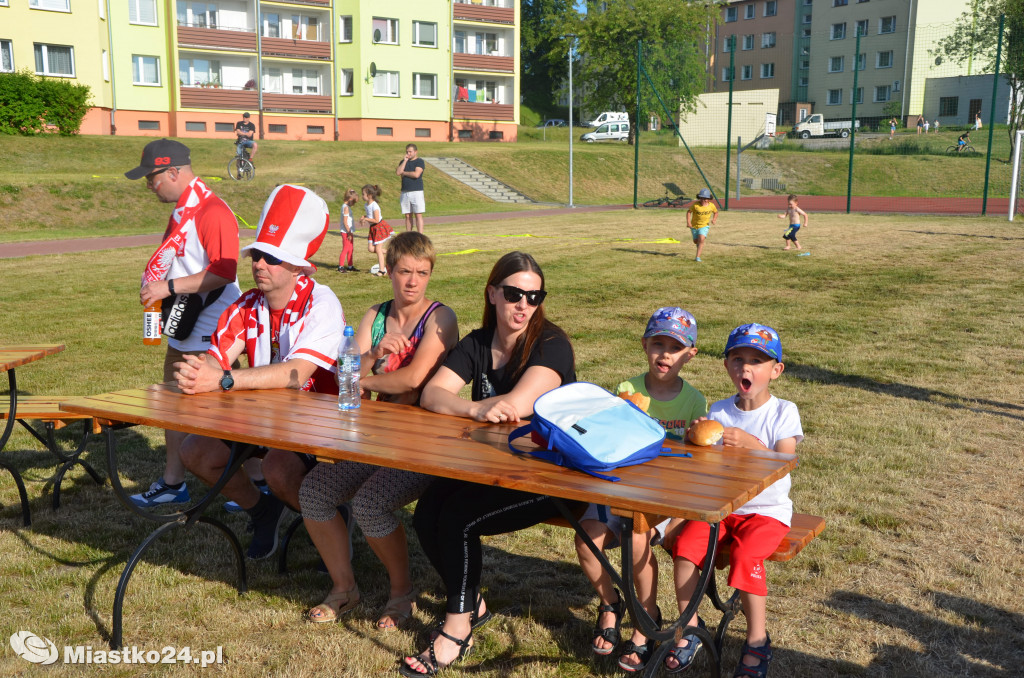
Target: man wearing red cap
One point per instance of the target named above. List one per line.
(290, 328)
(193, 272)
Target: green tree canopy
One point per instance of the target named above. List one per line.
(544, 63)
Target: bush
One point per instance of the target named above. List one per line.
(31, 104)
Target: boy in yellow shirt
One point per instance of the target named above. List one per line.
(701, 214)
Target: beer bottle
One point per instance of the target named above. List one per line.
(151, 324)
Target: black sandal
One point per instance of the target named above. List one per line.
(608, 633)
(643, 652)
(481, 619)
(434, 666)
(764, 656)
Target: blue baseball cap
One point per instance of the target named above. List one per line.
(672, 321)
(761, 337)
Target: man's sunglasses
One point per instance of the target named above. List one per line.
(514, 294)
(153, 175)
(269, 258)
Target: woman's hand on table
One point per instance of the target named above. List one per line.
(495, 411)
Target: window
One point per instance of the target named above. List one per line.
(883, 59)
(858, 96)
(948, 106)
(150, 124)
(808, 18)
(142, 12)
(768, 70)
(838, 3)
(344, 29)
(385, 31)
(191, 126)
(768, 40)
(346, 82)
(424, 34)
(196, 72)
(223, 127)
(385, 84)
(6, 57)
(805, 64)
(887, 24)
(730, 15)
(273, 81)
(726, 74)
(423, 132)
(459, 39)
(385, 131)
(305, 81)
(495, 135)
(487, 43)
(305, 27)
(835, 97)
(770, 8)
(727, 43)
(191, 13)
(748, 41)
(808, 3)
(314, 129)
(486, 91)
(746, 72)
(862, 61)
(806, 33)
(271, 25)
(145, 70)
(424, 86)
(803, 81)
(862, 27)
(54, 5)
(56, 60)
(749, 11)
(882, 93)
(277, 129)
(838, 31)
(835, 64)
(468, 133)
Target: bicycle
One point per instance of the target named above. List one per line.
(680, 201)
(955, 150)
(240, 167)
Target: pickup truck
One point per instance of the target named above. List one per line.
(815, 126)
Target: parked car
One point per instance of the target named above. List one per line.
(554, 122)
(608, 116)
(617, 131)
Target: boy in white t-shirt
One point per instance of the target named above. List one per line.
(755, 419)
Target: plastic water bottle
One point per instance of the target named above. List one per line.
(348, 371)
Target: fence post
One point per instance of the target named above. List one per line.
(728, 127)
(992, 115)
(636, 132)
(853, 120)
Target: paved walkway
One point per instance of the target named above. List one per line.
(69, 245)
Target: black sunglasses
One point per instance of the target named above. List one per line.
(514, 294)
(269, 258)
(153, 175)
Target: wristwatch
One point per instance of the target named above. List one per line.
(227, 382)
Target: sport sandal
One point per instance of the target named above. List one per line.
(334, 605)
(643, 652)
(684, 656)
(481, 619)
(609, 633)
(764, 656)
(433, 667)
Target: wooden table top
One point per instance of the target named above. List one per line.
(15, 356)
(707, 487)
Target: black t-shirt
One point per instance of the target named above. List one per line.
(413, 184)
(243, 126)
(471, 360)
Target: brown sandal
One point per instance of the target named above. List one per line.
(334, 605)
(399, 610)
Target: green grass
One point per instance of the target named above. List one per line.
(903, 351)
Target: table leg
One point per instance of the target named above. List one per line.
(12, 411)
(171, 521)
(66, 461)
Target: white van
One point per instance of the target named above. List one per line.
(617, 131)
(608, 116)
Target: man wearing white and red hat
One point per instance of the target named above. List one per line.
(290, 328)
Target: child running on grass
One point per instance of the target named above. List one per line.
(348, 232)
(379, 231)
(669, 343)
(755, 419)
(701, 214)
(794, 213)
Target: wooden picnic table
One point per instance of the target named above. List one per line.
(707, 486)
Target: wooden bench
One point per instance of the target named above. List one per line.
(46, 410)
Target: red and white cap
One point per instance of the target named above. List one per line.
(293, 225)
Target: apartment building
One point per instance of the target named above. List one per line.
(763, 31)
(305, 69)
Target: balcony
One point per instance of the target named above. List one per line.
(483, 62)
(302, 49)
(219, 97)
(480, 12)
(311, 3)
(296, 103)
(470, 110)
(216, 38)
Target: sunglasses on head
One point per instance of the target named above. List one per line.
(269, 258)
(514, 294)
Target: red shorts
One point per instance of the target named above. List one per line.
(751, 539)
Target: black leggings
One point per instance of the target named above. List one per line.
(452, 515)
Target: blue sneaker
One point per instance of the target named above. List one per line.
(159, 494)
(696, 258)
(233, 507)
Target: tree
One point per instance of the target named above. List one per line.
(674, 35)
(975, 35)
(544, 63)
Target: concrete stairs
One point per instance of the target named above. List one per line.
(477, 180)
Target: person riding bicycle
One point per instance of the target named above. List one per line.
(246, 131)
(962, 142)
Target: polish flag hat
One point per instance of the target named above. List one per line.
(293, 225)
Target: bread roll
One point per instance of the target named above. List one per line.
(707, 432)
(637, 398)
